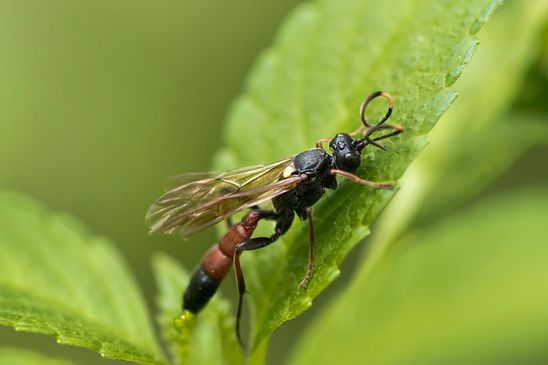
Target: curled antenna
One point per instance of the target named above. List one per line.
(397, 129)
(367, 100)
(367, 130)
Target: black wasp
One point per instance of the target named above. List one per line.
(293, 185)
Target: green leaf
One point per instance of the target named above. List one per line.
(205, 339)
(57, 279)
(532, 97)
(479, 124)
(465, 175)
(471, 290)
(327, 57)
(15, 356)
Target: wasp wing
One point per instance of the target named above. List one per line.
(182, 179)
(196, 205)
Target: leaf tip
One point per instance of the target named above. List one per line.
(437, 105)
(332, 275)
(464, 50)
(484, 15)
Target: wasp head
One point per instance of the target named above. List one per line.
(346, 152)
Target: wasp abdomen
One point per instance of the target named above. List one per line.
(199, 290)
(216, 263)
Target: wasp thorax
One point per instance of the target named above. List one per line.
(347, 157)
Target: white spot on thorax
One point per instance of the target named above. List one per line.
(288, 171)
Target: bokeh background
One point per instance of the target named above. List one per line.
(100, 101)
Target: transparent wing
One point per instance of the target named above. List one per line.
(182, 179)
(196, 205)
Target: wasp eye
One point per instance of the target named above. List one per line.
(352, 161)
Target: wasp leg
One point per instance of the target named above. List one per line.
(267, 214)
(263, 214)
(310, 267)
(241, 291)
(359, 180)
(322, 140)
(283, 222)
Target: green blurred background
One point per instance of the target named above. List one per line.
(101, 101)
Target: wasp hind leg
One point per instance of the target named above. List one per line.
(311, 241)
(283, 223)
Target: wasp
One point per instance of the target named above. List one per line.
(292, 185)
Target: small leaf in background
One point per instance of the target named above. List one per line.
(57, 279)
(532, 98)
(207, 338)
(327, 57)
(14, 356)
(470, 290)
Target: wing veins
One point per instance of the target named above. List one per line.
(186, 209)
